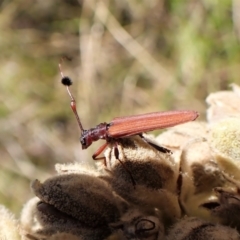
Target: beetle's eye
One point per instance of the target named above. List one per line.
(86, 141)
(83, 141)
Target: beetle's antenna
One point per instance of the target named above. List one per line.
(66, 81)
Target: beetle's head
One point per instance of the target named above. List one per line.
(85, 139)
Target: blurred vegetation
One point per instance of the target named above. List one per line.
(128, 57)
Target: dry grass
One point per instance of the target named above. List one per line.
(129, 57)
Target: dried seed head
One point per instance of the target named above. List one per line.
(9, 225)
(79, 204)
(195, 228)
(147, 166)
(64, 236)
(223, 104)
(228, 210)
(136, 225)
(28, 221)
(200, 174)
(224, 138)
(178, 136)
(154, 173)
(76, 167)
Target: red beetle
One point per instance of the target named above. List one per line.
(121, 127)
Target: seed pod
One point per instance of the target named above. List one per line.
(137, 161)
(223, 104)
(74, 203)
(136, 225)
(154, 174)
(224, 139)
(228, 210)
(177, 137)
(192, 228)
(200, 174)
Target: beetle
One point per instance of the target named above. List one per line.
(121, 127)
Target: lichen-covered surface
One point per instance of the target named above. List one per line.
(142, 193)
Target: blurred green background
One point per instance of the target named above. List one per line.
(128, 57)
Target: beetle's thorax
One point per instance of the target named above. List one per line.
(94, 134)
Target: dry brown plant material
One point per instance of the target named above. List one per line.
(142, 193)
(8, 225)
(192, 228)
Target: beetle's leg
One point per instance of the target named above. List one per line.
(116, 154)
(157, 147)
(98, 152)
